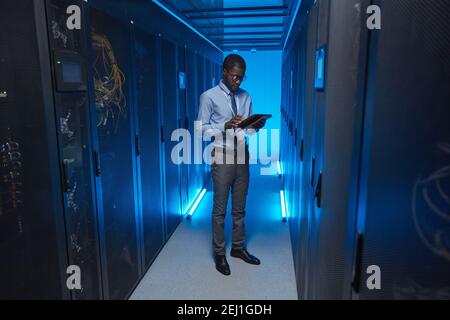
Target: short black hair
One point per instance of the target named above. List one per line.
(232, 60)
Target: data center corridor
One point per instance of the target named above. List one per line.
(98, 202)
(185, 270)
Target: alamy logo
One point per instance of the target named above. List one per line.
(374, 21)
(74, 279)
(374, 280)
(74, 20)
(263, 147)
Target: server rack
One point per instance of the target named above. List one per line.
(320, 109)
(74, 141)
(182, 124)
(31, 215)
(201, 87)
(96, 199)
(372, 193)
(404, 181)
(337, 225)
(324, 228)
(114, 148)
(192, 106)
(148, 146)
(170, 116)
(208, 85)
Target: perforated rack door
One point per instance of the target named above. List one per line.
(33, 253)
(406, 185)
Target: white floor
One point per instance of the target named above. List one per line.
(184, 270)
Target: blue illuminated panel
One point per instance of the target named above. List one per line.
(320, 69)
(181, 80)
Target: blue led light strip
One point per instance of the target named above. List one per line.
(279, 168)
(283, 206)
(292, 23)
(194, 207)
(189, 206)
(184, 22)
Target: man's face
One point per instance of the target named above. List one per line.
(233, 77)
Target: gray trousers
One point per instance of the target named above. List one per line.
(226, 177)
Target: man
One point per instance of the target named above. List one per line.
(222, 108)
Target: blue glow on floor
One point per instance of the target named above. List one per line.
(263, 198)
(191, 247)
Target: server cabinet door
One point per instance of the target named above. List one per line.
(201, 87)
(192, 106)
(289, 163)
(299, 88)
(72, 118)
(148, 146)
(201, 65)
(169, 110)
(219, 73)
(319, 287)
(283, 118)
(342, 88)
(215, 80)
(292, 155)
(306, 221)
(114, 152)
(405, 208)
(209, 74)
(182, 124)
(32, 241)
(208, 85)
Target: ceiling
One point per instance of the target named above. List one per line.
(238, 24)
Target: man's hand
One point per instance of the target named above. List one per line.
(260, 124)
(233, 122)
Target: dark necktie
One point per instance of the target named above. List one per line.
(234, 107)
(233, 103)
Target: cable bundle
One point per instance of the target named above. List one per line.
(109, 97)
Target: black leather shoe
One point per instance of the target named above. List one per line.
(244, 255)
(222, 265)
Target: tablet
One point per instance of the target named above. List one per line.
(252, 120)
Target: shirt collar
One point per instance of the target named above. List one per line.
(224, 87)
